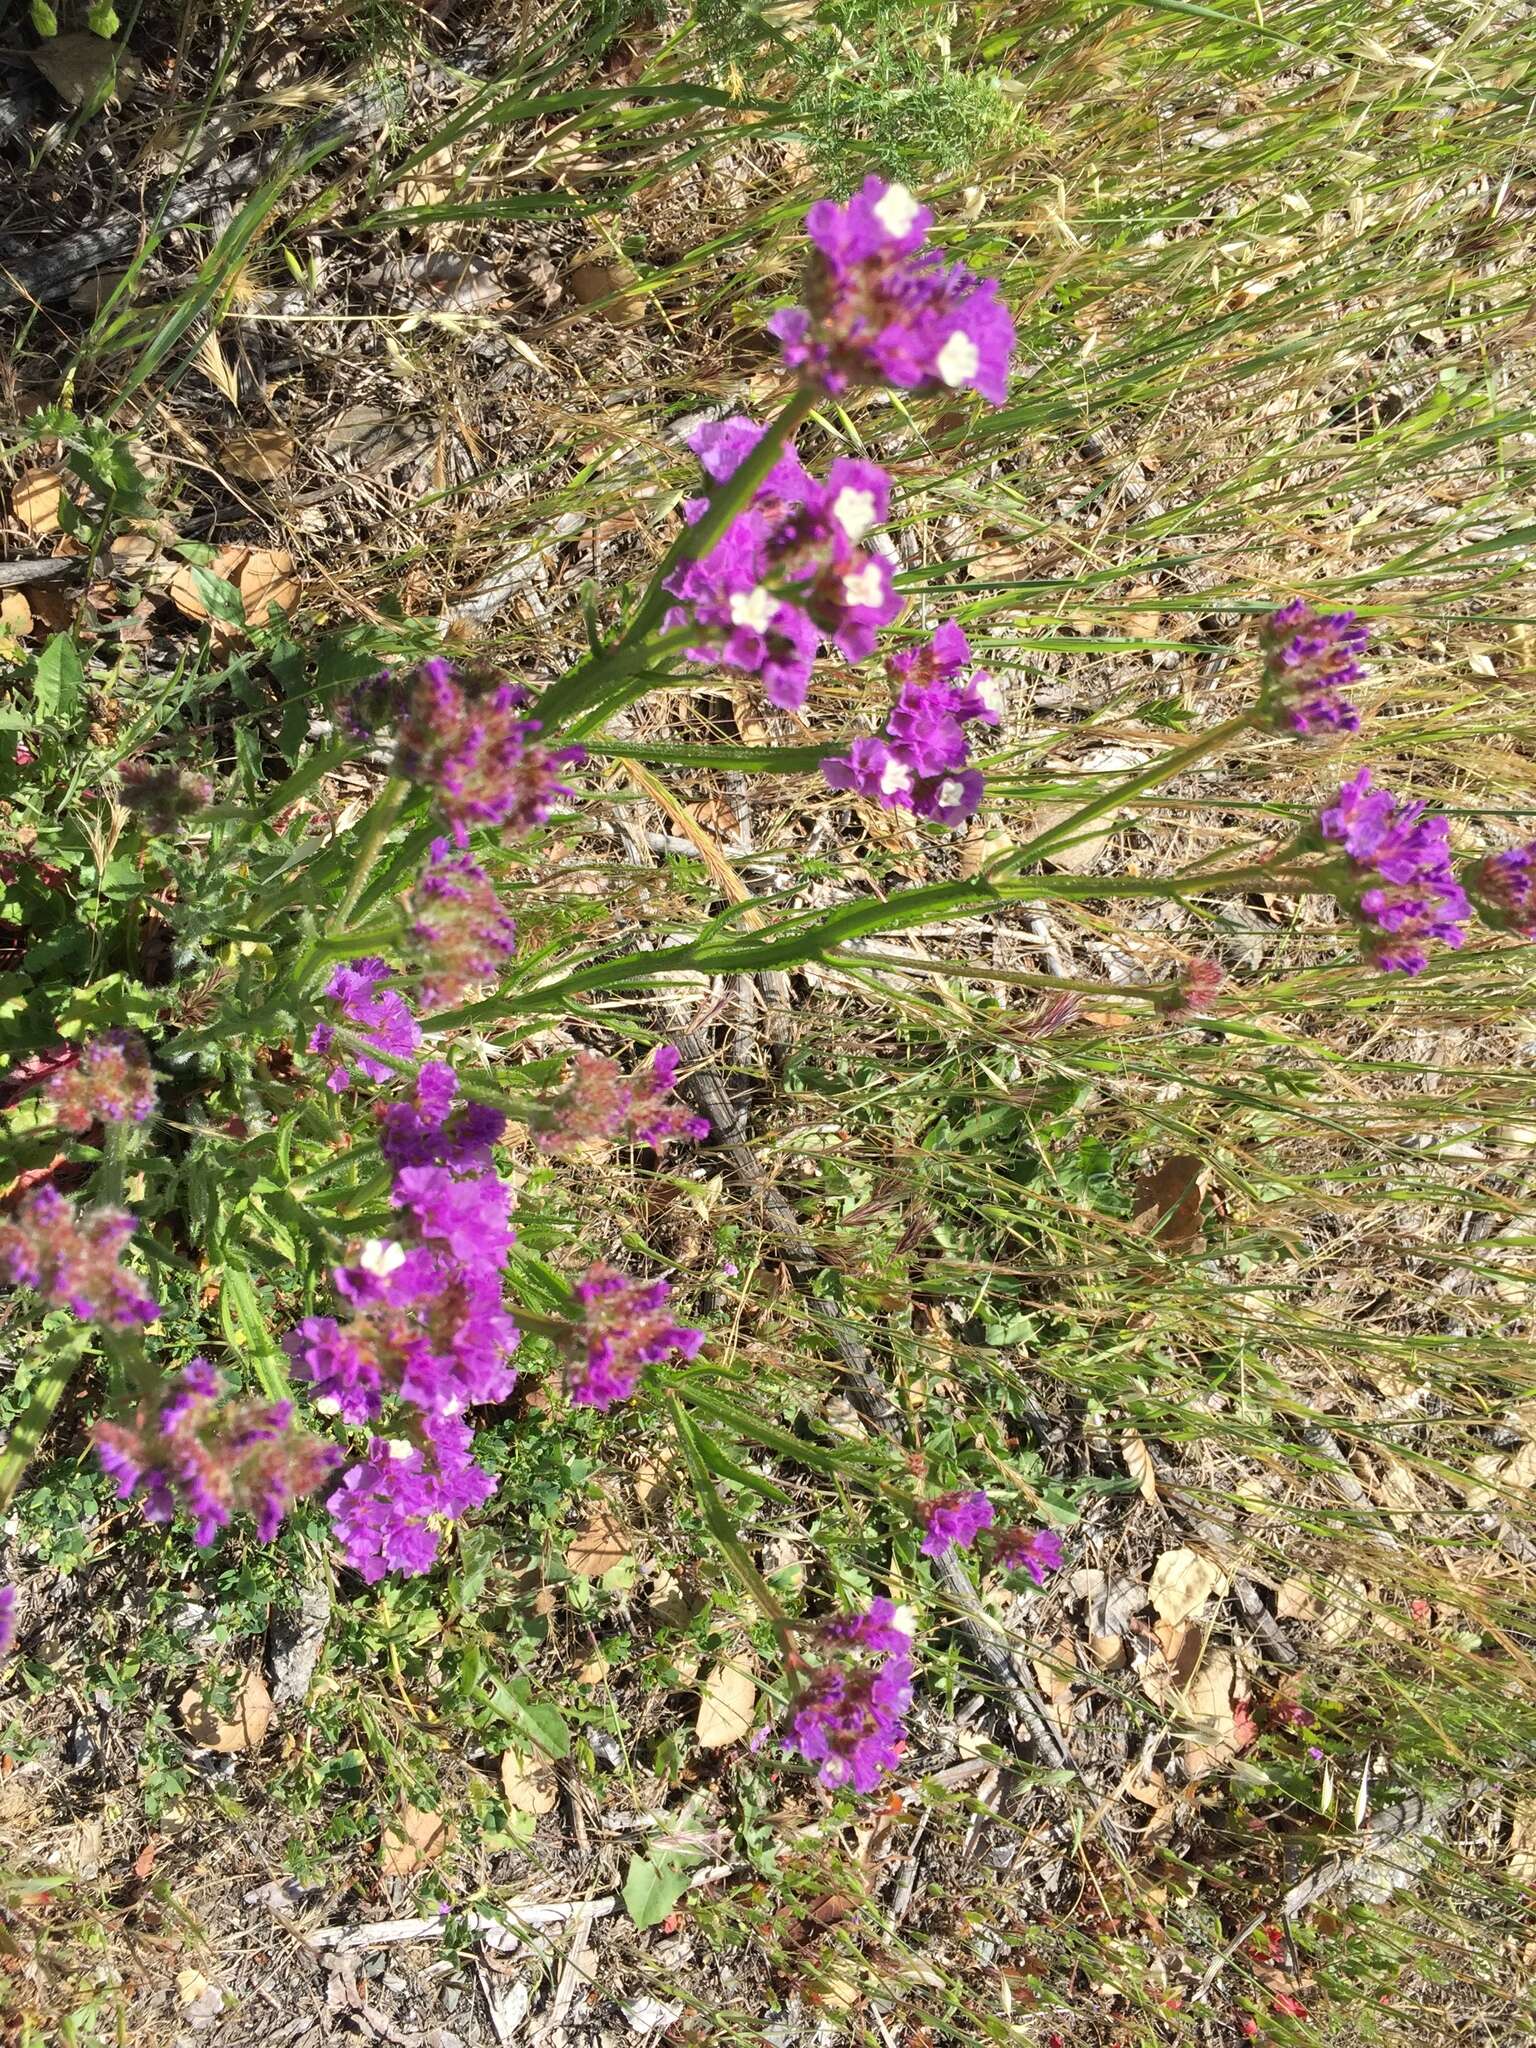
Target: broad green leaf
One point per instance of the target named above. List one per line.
(653, 1886)
(44, 20)
(221, 598)
(58, 680)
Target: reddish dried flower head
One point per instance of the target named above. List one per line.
(72, 1259)
(1193, 992)
(110, 1082)
(623, 1326)
(162, 795)
(459, 929)
(190, 1449)
(599, 1105)
(465, 736)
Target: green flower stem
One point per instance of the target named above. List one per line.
(718, 1521)
(381, 818)
(32, 1425)
(581, 687)
(976, 970)
(351, 1045)
(1071, 828)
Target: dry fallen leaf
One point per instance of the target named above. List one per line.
(259, 457)
(133, 551)
(601, 1545)
(250, 1718)
(416, 1838)
(1295, 1601)
(77, 66)
(15, 618)
(1166, 1203)
(1166, 1673)
(1138, 1462)
(1522, 1841)
(529, 1783)
(727, 1701)
(266, 578)
(184, 593)
(35, 500)
(1182, 1581)
(1207, 1706)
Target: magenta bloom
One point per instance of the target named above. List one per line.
(953, 1521)
(190, 1449)
(623, 1326)
(599, 1105)
(378, 1014)
(109, 1083)
(384, 1509)
(431, 1132)
(1310, 660)
(1399, 883)
(1193, 991)
(1036, 1551)
(788, 572)
(464, 736)
(458, 927)
(884, 308)
(1503, 886)
(72, 1259)
(467, 1217)
(847, 1716)
(7, 1620)
(919, 762)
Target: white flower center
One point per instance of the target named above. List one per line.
(854, 511)
(894, 775)
(753, 608)
(380, 1256)
(951, 792)
(988, 689)
(864, 586)
(905, 1620)
(328, 1405)
(399, 1447)
(957, 360)
(896, 210)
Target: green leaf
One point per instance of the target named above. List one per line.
(101, 19)
(58, 679)
(246, 1329)
(653, 1887)
(44, 20)
(222, 599)
(539, 1723)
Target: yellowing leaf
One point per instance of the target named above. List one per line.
(1182, 1581)
(727, 1701)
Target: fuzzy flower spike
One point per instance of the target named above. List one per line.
(882, 307)
(1397, 880)
(847, 1717)
(1310, 660)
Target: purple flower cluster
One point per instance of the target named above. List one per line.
(1194, 990)
(459, 929)
(919, 761)
(953, 1521)
(847, 1716)
(1310, 660)
(1036, 1551)
(426, 1326)
(189, 1448)
(7, 1620)
(465, 735)
(1399, 882)
(600, 1105)
(622, 1327)
(788, 572)
(73, 1260)
(378, 1014)
(1503, 885)
(884, 308)
(161, 795)
(110, 1083)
